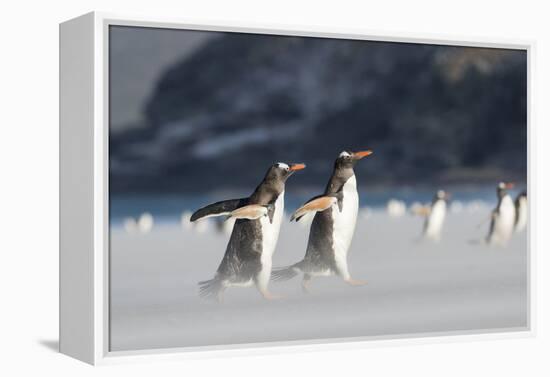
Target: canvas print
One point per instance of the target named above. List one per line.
(269, 188)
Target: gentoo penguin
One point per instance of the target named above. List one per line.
(521, 212)
(502, 217)
(248, 255)
(435, 217)
(332, 228)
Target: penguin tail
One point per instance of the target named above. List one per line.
(211, 289)
(285, 273)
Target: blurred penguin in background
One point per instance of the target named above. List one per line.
(521, 212)
(145, 222)
(435, 217)
(396, 208)
(224, 226)
(503, 217)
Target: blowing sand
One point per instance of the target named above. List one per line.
(413, 287)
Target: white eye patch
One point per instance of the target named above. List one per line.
(344, 154)
(282, 165)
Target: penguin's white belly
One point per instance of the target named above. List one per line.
(435, 221)
(504, 222)
(270, 235)
(521, 221)
(343, 226)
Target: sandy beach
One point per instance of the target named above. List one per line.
(413, 287)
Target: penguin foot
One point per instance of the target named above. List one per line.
(355, 282)
(270, 296)
(305, 286)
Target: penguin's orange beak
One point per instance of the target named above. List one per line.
(361, 154)
(296, 167)
(509, 185)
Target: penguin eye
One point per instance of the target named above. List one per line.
(283, 166)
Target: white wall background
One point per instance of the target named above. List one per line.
(29, 183)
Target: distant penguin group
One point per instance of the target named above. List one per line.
(507, 217)
(143, 224)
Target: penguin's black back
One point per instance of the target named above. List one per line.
(242, 259)
(320, 246)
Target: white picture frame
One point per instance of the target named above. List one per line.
(84, 278)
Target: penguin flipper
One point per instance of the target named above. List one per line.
(494, 217)
(225, 207)
(250, 212)
(298, 218)
(423, 211)
(316, 204)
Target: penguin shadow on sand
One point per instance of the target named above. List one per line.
(332, 229)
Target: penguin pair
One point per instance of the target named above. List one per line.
(248, 256)
(507, 217)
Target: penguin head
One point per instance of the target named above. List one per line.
(503, 187)
(281, 171)
(442, 195)
(349, 159)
